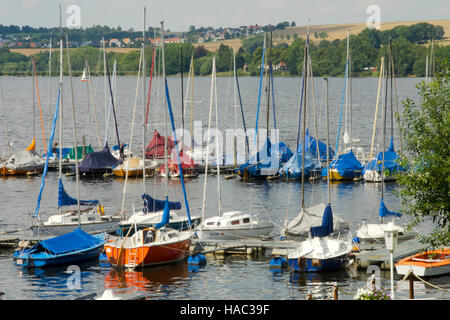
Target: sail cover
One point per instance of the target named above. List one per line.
(165, 216)
(65, 200)
(24, 159)
(153, 205)
(327, 224)
(346, 164)
(98, 160)
(313, 216)
(156, 146)
(385, 212)
(69, 242)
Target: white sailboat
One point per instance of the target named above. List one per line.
(93, 219)
(227, 225)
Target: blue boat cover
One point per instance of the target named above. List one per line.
(69, 242)
(65, 200)
(153, 205)
(385, 212)
(293, 168)
(265, 159)
(98, 160)
(311, 146)
(346, 164)
(327, 224)
(390, 161)
(165, 216)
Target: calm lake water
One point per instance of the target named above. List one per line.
(231, 277)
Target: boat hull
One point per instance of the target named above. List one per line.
(423, 267)
(233, 234)
(318, 265)
(147, 255)
(336, 176)
(4, 171)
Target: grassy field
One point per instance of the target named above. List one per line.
(334, 31)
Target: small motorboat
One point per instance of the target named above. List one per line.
(233, 225)
(429, 263)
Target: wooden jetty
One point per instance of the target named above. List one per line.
(381, 257)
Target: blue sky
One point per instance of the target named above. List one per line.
(180, 14)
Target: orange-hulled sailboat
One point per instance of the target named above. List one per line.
(429, 263)
(159, 244)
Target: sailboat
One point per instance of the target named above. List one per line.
(69, 248)
(28, 161)
(390, 158)
(266, 162)
(103, 161)
(299, 227)
(371, 235)
(320, 252)
(160, 244)
(92, 219)
(345, 166)
(233, 224)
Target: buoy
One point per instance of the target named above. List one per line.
(197, 259)
(278, 262)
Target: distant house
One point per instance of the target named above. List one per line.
(373, 69)
(280, 66)
(114, 43)
(126, 41)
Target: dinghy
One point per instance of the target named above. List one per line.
(426, 264)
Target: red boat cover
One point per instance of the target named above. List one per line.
(155, 148)
(186, 162)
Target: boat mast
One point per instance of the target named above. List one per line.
(376, 108)
(166, 178)
(60, 96)
(207, 141)
(269, 64)
(305, 62)
(384, 130)
(144, 124)
(182, 96)
(235, 111)
(217, 140)
(328, 138)
(74, 131)
(5, 116)
(345, 137)
(50, 77)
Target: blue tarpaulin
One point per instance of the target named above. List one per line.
(311, 146)
(346, 164)
(293, 168)
(327, 224)
(72, 241)
(65, 200)
(153, 205)
(391, 159)
(98, 160)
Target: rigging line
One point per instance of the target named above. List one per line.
(4, 113)
(342, 106)
(39, 103)
(259, 96)
(132, 131)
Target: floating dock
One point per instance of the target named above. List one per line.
(381, 257)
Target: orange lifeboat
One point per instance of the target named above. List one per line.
(429, 263)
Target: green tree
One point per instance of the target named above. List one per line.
(426, 130)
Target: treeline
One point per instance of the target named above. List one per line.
(328, 57)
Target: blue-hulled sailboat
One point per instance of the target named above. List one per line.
(72, 247)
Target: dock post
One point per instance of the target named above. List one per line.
(336, 292)
(411, 285)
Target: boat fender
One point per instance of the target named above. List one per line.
(197, 259)
(278, 262)
(100, 210)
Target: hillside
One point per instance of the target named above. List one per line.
(334, 31)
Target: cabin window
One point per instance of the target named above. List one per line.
(172, 235)
(74, 220)
(91, 219)
(246, 220)
(210, 224)
(235, 222)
